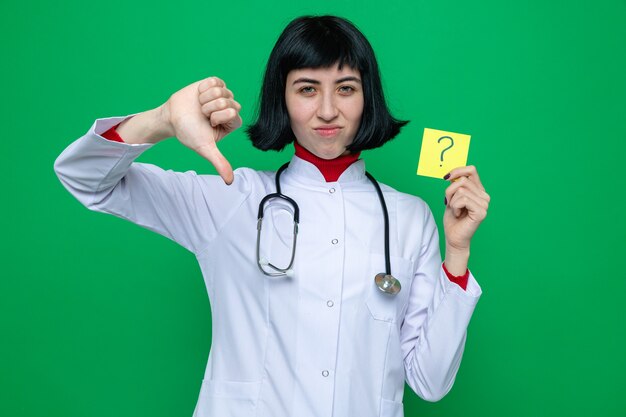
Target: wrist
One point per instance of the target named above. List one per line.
(454, 250)
(456, 260)
(148, 127)
(163, 122)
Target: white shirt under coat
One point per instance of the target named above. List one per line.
(326, 342)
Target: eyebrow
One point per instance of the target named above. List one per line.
(339, 81)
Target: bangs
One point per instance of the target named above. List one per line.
(321, 48)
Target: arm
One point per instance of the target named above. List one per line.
(102, 174)
(434, 329)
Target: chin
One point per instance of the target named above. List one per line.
(330, 155)
(325, 152)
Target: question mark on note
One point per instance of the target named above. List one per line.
(449, 147)
(441, 152)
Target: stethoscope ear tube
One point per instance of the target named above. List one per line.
(296, 209)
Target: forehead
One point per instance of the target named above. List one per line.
(323, 74)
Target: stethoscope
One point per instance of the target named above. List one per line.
(384, 281)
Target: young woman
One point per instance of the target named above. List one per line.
(330, 294)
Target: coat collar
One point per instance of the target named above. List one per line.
(301, 170)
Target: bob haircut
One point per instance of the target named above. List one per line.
(321, 42)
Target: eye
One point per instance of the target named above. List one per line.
(307, 90)
(347, 89)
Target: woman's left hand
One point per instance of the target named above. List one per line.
(467, 204)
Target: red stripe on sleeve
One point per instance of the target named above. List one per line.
(112, 134)
(461, 280)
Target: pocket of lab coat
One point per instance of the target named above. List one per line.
(391, 408)
(227, 398)
(387, 307)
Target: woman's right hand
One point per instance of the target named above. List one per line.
(199, 116)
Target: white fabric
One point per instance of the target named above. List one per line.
(325, 342)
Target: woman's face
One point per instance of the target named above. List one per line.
(325, 107)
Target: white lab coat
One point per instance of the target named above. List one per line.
(325, 342)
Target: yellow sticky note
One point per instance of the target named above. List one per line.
(442, 152)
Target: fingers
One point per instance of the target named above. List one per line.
(467, 193)
(227, 107)
(464, 185)
(218, 104)
(466, 171)
(467, 178)
(201, 114)
(213, 93)
(210, 82)
(465, 199)
(212, 88)
(229, 119)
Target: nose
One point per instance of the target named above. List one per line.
(327, 109)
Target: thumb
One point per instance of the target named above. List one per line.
(196, 133)
(211, 153)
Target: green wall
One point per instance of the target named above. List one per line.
(99, 317)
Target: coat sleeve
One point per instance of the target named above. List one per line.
(183, 206)
(434, 329)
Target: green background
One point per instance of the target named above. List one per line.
(99, 317)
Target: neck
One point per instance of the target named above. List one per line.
(331, 169)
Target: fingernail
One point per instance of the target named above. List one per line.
(445, 201)
(446, 176)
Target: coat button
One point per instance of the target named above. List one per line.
(330, 303)
(325, 373)
(334, 241)
(332, 190)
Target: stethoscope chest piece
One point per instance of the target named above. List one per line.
(387, 284)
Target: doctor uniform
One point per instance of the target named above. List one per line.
(325, 342)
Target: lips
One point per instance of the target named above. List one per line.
(327, 131)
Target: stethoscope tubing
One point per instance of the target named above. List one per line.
(296, 215)
(386, 217)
